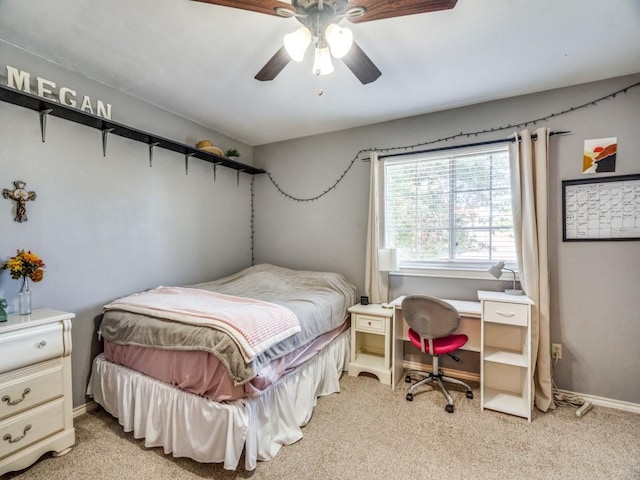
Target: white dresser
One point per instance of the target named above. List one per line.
(36, 414)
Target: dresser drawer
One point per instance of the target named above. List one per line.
(30, 386)
(27, 428)
(369, 323)
(507, 313)
(30, 345)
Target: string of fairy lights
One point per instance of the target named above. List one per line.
(410, 148)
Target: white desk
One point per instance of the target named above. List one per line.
(470, 313)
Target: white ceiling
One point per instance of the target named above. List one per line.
(198, 60)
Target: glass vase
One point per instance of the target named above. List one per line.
(24, 298)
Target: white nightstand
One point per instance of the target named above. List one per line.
(371, 341)
(35, 388)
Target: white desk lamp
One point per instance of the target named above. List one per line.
(497, 269)
(388, 262)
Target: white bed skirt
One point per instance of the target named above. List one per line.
(188, 425)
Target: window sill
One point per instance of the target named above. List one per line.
(462, 273)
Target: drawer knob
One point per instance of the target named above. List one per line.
(369, 323)
(7, 398)
(42, 344)
(8, 438)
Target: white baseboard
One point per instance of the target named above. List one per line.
(598, 401)
(450, 372)
(606, 402)
(84, 408)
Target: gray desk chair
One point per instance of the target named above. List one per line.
(431, 326)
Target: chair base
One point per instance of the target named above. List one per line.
(438, 378)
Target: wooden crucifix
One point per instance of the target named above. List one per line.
(21, 197)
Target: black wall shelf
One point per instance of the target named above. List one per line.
(56, 109)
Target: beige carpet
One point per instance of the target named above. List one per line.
(369, 431)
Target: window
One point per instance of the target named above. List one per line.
(450, 209)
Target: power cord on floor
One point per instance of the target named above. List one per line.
(567, 399)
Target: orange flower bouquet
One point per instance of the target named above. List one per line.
(26, 265)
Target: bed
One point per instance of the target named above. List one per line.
(224, 368)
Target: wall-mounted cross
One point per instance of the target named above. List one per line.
(21, 197)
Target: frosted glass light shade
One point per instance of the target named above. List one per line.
(296, 43)
(322, 64)
(339, 39)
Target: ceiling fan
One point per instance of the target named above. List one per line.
(319, 19)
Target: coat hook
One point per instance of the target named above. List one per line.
(104, 140)
(186, 162)
(151, 145)
(43, 122)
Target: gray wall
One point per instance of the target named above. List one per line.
(594, 285)
(110, 226)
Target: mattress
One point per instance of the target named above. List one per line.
(202, 373)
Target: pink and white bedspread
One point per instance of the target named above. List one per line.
(166, 318)
(254, 325)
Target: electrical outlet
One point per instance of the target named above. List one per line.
(556, 351)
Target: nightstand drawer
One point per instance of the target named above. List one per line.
(368, 323)
(27, 428)
(507, 313)
(30, 345)
(30, 386)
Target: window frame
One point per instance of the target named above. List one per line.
(442, 269)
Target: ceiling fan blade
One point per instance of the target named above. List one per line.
(361, 65)
(260, 6)
(274, 66)
(379, 9)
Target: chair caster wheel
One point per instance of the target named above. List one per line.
(469, 394)
(407, 379)
(449, 408)
(410, 397)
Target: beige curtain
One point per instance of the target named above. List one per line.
(375, 284)
(529, 184)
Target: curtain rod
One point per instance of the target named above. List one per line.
(454, 147)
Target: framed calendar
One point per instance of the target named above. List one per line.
(602, 208)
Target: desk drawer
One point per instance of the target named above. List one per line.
(30, 345)
(368, 323)
(507, 313)
(25, 429)
(24, 388)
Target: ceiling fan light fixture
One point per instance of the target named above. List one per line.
(296, 43)
(339, 39)
(322, 64)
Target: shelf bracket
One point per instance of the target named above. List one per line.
(105, 133)
(238, 176)
(186, 162)
(151, 145)
(215, 169)
(43, 122)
